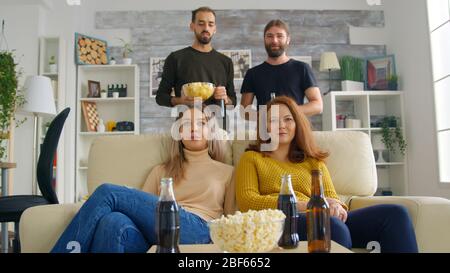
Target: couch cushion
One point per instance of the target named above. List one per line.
(351, 162)
(128, 159)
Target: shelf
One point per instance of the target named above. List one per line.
(106, 133)
(364, 93)
(390, 164)
(131, 99)
(108, 66)
(352, 129)
(50, 75)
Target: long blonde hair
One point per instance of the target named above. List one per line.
(174, 166)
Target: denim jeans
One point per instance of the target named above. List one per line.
(119, 219)
(389, 225)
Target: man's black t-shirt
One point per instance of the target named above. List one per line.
(289, 79)
(190, 65)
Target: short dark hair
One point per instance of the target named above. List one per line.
(277, 23)
(202, 9)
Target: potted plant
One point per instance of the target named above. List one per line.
(392, 136)
(126, 49)
(52, 65)
(393, 82)
(351, 73)
(10, 98)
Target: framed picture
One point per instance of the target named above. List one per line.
(90, 115)
(93, 89)
(378, 72)
(305, 59)
(90, 50)
(242, 61)
(156, 70)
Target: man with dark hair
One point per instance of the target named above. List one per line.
(197, 63)
(279, 75)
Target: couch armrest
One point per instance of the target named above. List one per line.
(430, 217)
(41, 226)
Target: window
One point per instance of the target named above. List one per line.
(439, 23)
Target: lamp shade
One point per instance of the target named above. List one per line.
(329, 61)
(39, 99)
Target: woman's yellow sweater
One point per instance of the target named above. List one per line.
(258, 180)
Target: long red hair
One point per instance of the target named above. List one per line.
(303, 145)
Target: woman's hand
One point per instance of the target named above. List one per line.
(301, 206)
(337, 210)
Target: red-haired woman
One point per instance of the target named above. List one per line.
(259, 172)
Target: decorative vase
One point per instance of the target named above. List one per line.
(53, 68)
(352, 86)
(127, 61)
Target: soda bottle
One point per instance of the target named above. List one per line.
(318, 217)
(287, 203)
(167, 219)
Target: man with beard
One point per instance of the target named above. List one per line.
(197, 63)
(279, 75)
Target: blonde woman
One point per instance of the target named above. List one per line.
(119, 219)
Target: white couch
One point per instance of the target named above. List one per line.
(127, 160)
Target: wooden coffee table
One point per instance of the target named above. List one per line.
(212, 248)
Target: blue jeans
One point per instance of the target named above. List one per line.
(119, 219)
(389, 225)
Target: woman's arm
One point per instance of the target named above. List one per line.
(247, 187)
(229, 204)
(151, 185)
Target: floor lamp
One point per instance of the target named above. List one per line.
(39, 102)
(329, 62)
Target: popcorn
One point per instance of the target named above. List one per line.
(253, 231)
(198, 89)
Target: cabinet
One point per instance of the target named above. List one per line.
(52, 65)
(366, 109)
(109, 109)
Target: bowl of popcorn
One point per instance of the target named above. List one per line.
(204, 90)
(252, 231)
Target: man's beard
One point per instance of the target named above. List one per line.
(203, 39)
(275, 53)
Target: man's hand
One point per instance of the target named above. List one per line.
(182, 100)
(220, 93)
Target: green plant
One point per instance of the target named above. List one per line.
(351, 69)
(10, 97)
(126, 48)
(52, 60)
(393, 82)
(392, 135)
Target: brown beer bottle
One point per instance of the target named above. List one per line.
(318, 217)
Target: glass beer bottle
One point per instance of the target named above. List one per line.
(167, 219)
(318, 217)
(287, 203)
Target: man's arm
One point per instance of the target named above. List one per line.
(163, 96)
(230, 84)
(246, 100)
(315, 104)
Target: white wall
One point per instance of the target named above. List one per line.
(22, 31)
(408, 39)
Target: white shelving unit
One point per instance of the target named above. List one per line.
(392, 175)
(109, 109)
(54, 46)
